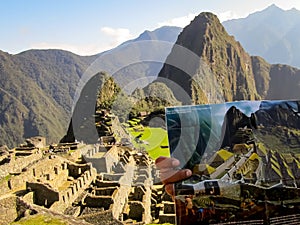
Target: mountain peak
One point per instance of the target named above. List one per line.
(202, 28)
(269, 33)
(208, 16)
(273, 7)
(205, 19)
(226, 59)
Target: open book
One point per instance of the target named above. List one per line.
(245, 158)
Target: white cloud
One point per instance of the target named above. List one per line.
(228, 15)
(113, 39)
(179, 21)
(185, 20)
(83, 50)
(118, 35)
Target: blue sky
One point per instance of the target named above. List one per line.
(92, 26)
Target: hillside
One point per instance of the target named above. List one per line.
(221, 63)
(271, 33)
(37, 91)
(38, 86)
(26, 110)
(56, 72)
(217, 68)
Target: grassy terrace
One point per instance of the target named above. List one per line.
(40, 220)
(153, 139)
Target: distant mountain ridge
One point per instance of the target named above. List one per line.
(271, 33)
(165, 33)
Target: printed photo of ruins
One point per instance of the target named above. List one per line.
(245, 158)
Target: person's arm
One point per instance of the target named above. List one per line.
(169, 174)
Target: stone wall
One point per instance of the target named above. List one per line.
(111, 177)
(17, 164)
(167, 218)
(138, 194)
(99, 182)
(167, 213)
(98, 201)
(119, 130)
(120, 200)
(147, 217)
(142, 193)
(105, 163)
(118, 193)
(101, 218)
(43, 194)
(69, 195)
(169, 207)
(136, 210)
(12, 208)
(38, 142)
(51, 184)
(37, 169)
(75, 170)
(60, 184)
(8, 210)
(219, 170)
(119, 167)
(104, 191)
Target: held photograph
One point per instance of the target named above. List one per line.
(245, 159)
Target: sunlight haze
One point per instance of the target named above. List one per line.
(90, 27)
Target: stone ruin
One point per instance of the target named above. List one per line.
(16, 161)
(123, 187)
(5, 155)
(111, 182)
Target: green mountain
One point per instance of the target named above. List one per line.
(57, 72)
(38, 87)
(36, 92)
(99, 93)
(209, 66)
(275, 81)
(153, 97)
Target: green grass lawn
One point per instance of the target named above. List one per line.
(40, 220)
(154, 138)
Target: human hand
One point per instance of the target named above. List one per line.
(169, 174)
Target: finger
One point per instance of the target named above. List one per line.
(172, 176)
(170, 189)
(165, 162)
